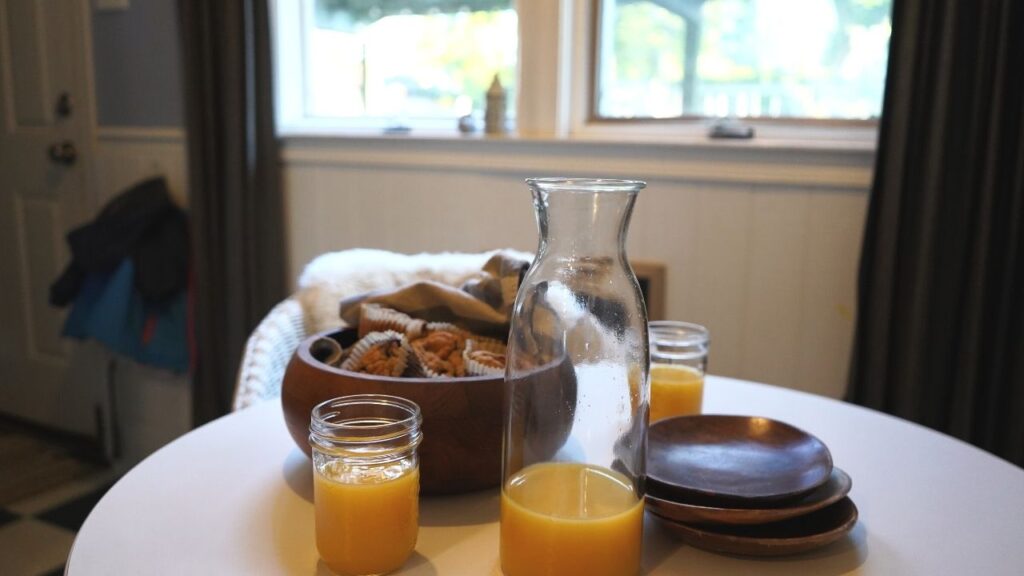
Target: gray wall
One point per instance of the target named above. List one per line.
(137, 60)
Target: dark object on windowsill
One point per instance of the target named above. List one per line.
(467, 124)
(397, 130)
(731, 129)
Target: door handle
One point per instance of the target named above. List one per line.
(64, 105)
(63, 153)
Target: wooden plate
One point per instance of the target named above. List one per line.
(793, 536)
(745, 458)
(711, 511)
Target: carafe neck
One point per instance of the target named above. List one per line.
(583, 219)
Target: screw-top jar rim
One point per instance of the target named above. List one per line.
(676, 333)
(586, 184)
(331, 429)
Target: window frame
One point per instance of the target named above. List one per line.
(596, 27)
(289, 22)
(556, 97)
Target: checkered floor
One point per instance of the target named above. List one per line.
(36, 533)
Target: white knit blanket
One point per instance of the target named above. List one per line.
(336, 275)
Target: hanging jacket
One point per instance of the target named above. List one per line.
(143, 224)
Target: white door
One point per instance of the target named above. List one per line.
(47, 131)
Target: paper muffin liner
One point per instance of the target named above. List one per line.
(486, 344)
(327, 351)
(445, 327)
(377, 318)
(482, 361)
(381, 353)
(428, 373)
(416, 368)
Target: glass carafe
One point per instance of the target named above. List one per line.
(576, 390)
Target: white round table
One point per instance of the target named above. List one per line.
(235, 497)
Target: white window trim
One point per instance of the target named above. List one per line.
(553, 96)
(287, 56)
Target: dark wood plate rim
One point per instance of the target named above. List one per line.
(682, 492)
(834, 489)
(708, 538)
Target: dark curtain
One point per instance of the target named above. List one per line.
(941, 291)
(234, 186)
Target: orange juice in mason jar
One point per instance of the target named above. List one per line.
(679, 356)
(366, 482)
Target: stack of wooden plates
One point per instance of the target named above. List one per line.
(746, 485)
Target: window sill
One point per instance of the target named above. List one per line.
(769, 136)
(833, 163)
(861, 140)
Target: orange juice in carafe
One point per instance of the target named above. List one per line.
(570, 519)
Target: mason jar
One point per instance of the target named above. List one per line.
(679, 360)
(365, 482)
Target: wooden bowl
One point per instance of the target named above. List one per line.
(462, 417)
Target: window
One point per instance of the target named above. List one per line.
(405, 63)
(585, 68)
(821, 59)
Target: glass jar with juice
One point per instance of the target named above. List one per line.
(365, 482)
(679, 357)
(576, 391)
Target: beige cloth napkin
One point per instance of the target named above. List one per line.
(482, 305)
